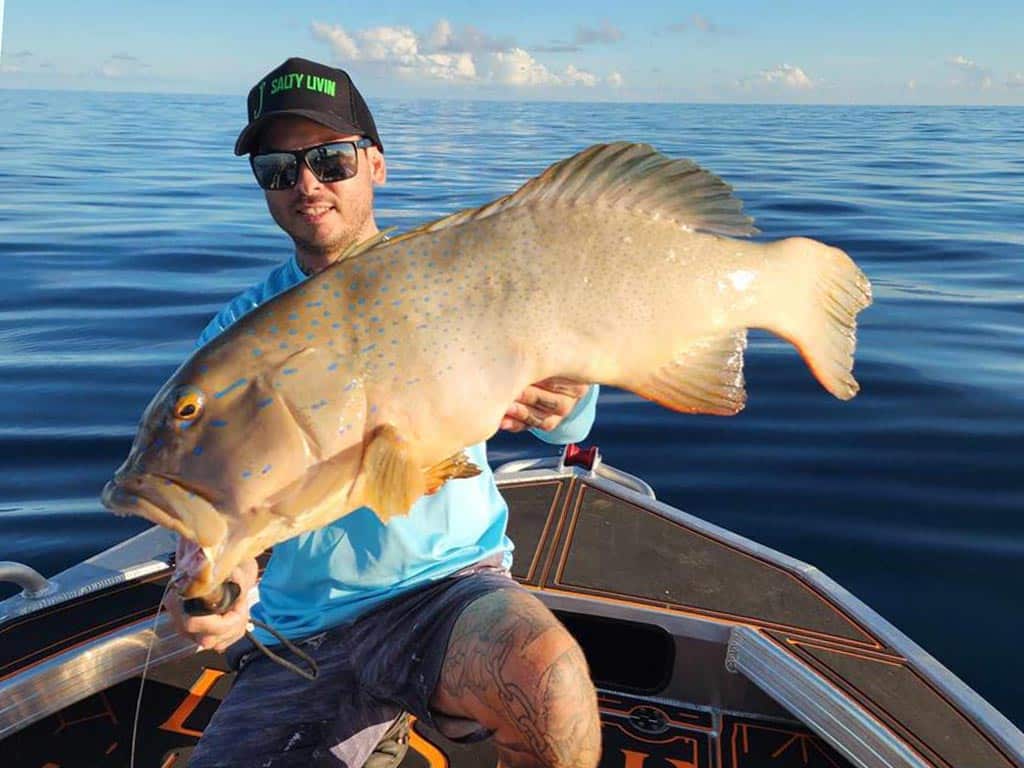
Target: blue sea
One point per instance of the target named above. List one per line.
(126, 222)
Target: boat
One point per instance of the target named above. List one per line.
(708, 650)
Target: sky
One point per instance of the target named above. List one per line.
(870, 52)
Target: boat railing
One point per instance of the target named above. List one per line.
(34, 586)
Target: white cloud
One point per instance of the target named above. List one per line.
(444, 38)
(517, 67)
(121, 65)
(788, 75)
(341, 44)
(445, 53)
(911, 85)
(1015, 80)
(971, 74)
(698, 22)
(606, 33)
(614, 80)
(784, 75)
(576, 76)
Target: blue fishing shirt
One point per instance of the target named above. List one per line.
(325, 577)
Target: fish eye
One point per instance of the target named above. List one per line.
(188, 406)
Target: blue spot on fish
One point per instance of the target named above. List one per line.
(315, 322)
(218, 423)
(264, 402)
(257, 352)
(246, 474)
(373, 409)
(273, 329)
(293, 316)
(292, 331)
(369, 348)
(361, 301)
(265, 470)
(290, 371)
(314, 303)
(396, 303)
(335, 325)
(309, 337)
(318, 405)
(231, 387)
(332, 367)
(283, 345)
(348, 387)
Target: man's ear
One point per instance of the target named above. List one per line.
(378, 168)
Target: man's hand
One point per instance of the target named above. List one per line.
(543, 405)
(215, 632)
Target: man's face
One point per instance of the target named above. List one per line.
(322, 217)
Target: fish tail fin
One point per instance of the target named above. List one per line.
(822, 322)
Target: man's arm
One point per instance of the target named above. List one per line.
(557, 411)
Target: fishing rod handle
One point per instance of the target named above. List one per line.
(219, 601)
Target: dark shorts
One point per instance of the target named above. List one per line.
(386, 662)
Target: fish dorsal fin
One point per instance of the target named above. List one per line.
(623, 176)
(364, 245)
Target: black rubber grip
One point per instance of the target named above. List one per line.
(219, 601)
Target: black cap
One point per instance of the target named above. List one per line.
(301, 87)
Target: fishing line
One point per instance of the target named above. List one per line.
(145, 669)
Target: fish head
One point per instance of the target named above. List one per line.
(218, 449)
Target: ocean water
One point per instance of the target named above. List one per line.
(126, 222)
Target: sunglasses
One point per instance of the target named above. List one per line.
(333, 161)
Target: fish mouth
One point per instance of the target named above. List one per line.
(183, 508)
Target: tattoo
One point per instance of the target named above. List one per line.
(547, 405)
(535, 421)
(496, 657)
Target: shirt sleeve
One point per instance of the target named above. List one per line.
(281, 279)
(576, 426)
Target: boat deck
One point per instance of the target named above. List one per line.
(708, 650)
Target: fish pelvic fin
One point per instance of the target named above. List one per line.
(623, 176)
(454, 467)
(707, 377)
(390, 478)
(817, 310)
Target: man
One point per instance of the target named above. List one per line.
(419, 615)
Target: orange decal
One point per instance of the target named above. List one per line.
(435, 757)
(107, 712)
(176, 722)
(636, 760)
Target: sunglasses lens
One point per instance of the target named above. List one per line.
(274, 170)
(333, 162)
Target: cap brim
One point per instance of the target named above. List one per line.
(250, 135)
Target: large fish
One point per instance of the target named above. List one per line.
(363, 385)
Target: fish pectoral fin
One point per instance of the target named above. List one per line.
(705, 378)
(390, 479)
(454, 467)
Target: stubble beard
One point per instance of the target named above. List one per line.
(319, 253)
